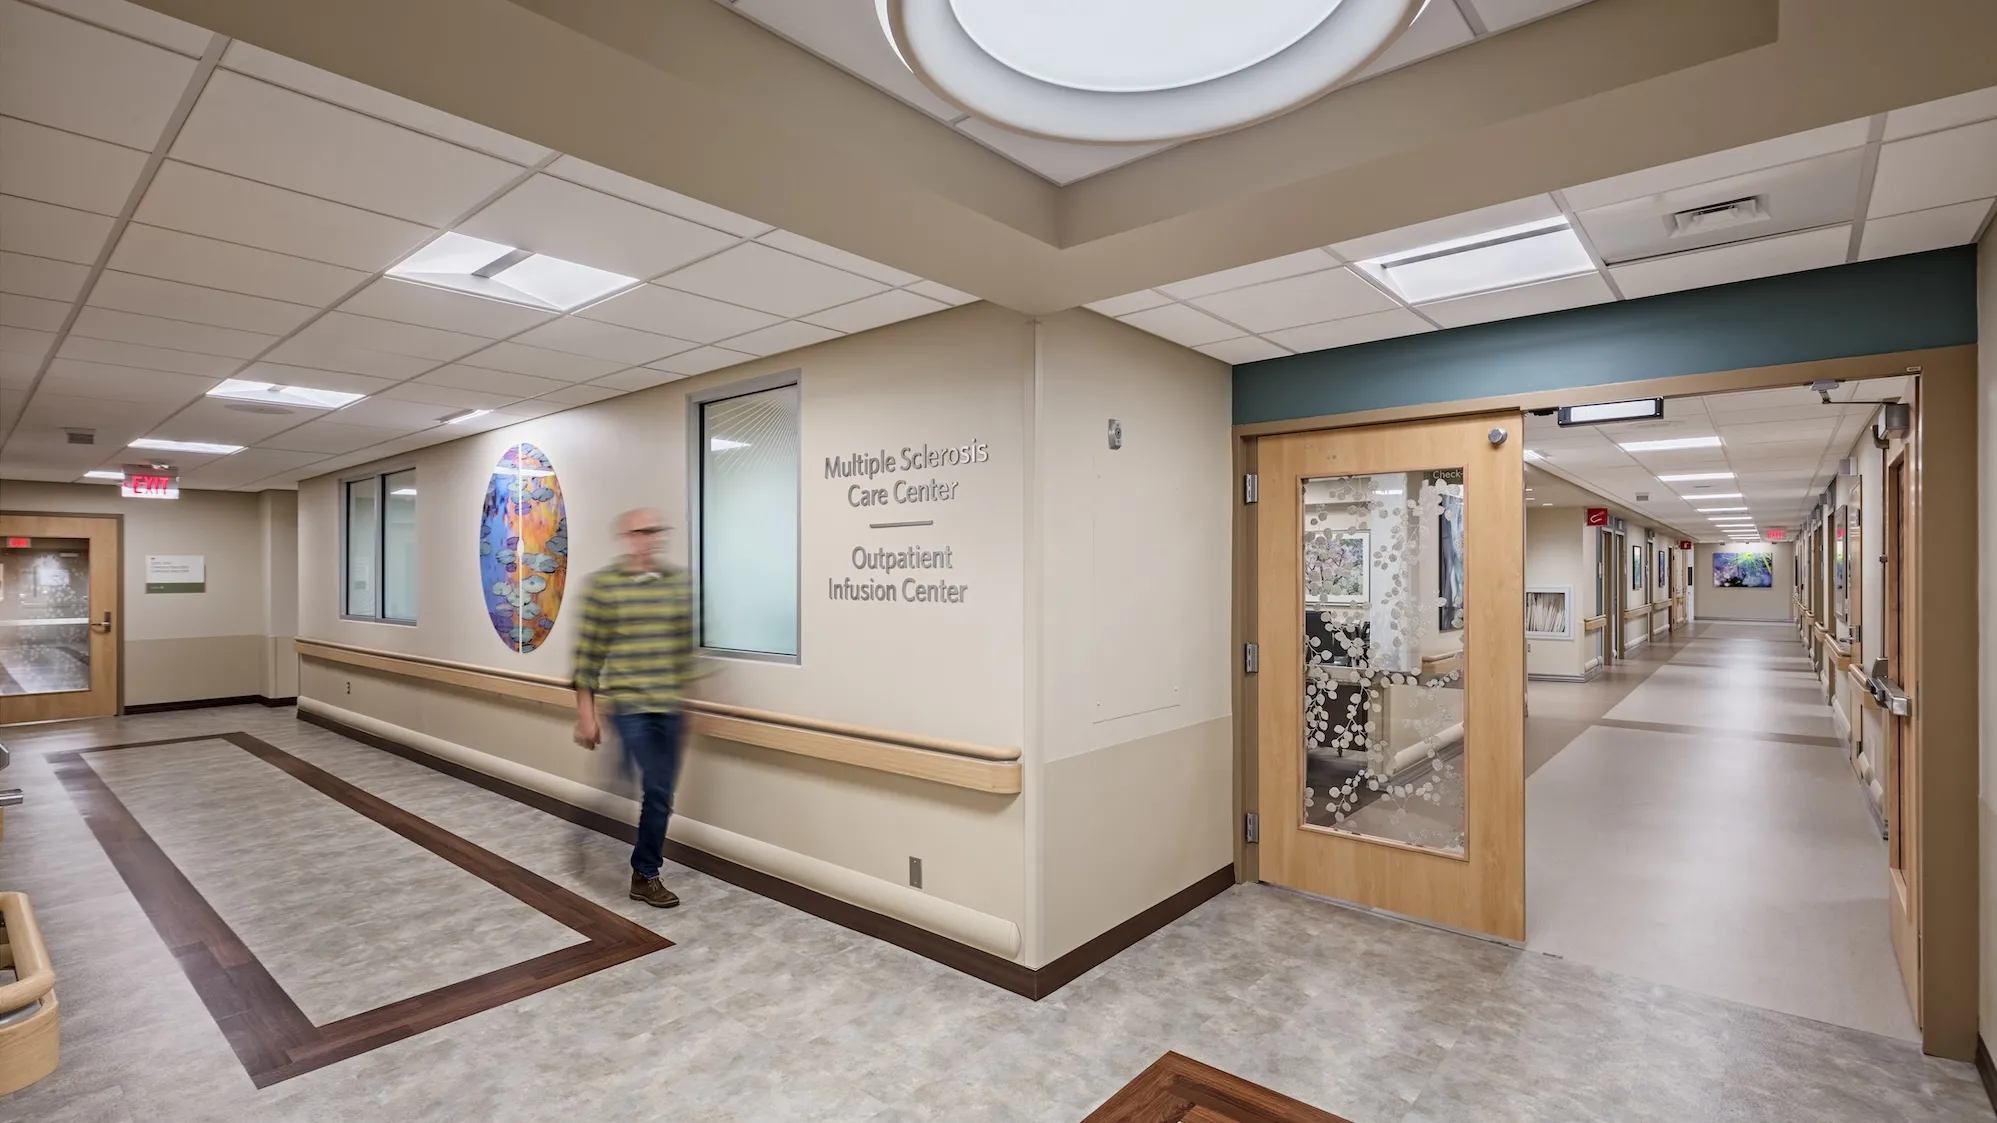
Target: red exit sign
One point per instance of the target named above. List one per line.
(151, 486)
(20, 543)
(1776, 534)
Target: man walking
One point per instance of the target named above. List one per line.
(636, 651)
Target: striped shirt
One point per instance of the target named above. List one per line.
(636, 646)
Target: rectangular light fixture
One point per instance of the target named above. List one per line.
(1715, 495)
(208, 447)
(1716, 510)
(304, 396)
(1642, 409)
(1687, 477)
(104, 474)
(462, 415)
(1669, 444)
(1500, 259)
(482, 268)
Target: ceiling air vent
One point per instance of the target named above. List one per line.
(1643, 497)
(1718, 216)
(82, 436)
(257, 408)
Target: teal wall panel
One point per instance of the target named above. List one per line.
(1896, 304)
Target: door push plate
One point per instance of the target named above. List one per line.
(1251, 658)
(1251, 827)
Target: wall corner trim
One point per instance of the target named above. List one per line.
(1987, 1069)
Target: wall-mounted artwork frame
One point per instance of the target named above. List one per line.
(1663, 568)
(1549, 612)
(1636, 569)
(1747, 569)
(1341, 570)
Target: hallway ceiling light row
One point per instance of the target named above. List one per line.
(1915, 179)
(212, 246)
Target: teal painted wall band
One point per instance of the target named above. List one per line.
(1869, 308)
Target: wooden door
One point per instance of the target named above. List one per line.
(59, 617)
(1391, 693)
(1903, 742)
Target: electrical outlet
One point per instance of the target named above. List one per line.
(915, 871)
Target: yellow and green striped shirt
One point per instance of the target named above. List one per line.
(636, 645)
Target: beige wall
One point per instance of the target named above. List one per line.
(1986, 395)
(1131, 792)
(1772, 603)
(230, 641)
(1559, 553)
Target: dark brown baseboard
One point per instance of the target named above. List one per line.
(1034, 983)
(209, 704)
(1987, 1069)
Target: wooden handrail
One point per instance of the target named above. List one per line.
(34, 974)
(1633, 613)
(554, 692)
(1594, 623)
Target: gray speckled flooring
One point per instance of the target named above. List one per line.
(763, 1014)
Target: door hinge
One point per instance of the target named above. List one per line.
(1251, 658)
(1251, 488)
(1251, 827)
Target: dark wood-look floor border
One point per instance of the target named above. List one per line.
(271, 1036)
(1028, 982)
(209, 704)
(1178, 1089)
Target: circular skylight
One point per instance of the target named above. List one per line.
(1136, 71)
(1133, 46)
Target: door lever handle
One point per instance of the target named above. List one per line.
(103, 625)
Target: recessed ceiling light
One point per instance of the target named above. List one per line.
(482, 268)
(1685, 477)
(1501, 259)
(463, 415)
(1715, 495)
(1672, 443)
(185, 446)
(1716, 510)
(283, 395)
(104, 474)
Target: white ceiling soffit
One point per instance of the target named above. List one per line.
(266, 200)
(848, 34)
(1915, 179)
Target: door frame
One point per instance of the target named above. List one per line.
(1944, 443)
(124, 608)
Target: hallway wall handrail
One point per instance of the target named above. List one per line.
(558, 693)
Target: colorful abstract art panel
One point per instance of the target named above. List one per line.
(1743, 571)
(523, 548)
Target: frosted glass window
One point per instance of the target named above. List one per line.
(363, 537)
(748, 522)
(398, 546)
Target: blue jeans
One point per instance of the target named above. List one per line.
(651, 743)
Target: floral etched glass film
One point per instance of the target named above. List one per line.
(1384, 621)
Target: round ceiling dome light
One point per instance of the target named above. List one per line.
(1135, 71)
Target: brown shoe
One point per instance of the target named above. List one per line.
(653, 892)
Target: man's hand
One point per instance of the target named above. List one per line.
(589, 730)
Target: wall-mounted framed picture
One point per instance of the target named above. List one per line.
(1746, 570)
(1636, 568)
(1339, 568)
(1549, 612)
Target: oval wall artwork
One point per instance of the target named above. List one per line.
(523, 548)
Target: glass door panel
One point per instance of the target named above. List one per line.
(58, 617)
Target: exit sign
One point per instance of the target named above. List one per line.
(20, 543)
(150, 483)
(1776, 534)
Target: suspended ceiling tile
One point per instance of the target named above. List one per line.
(45, 277)
(1241, 276)
(332, 354)
(446, 400)
(1962, 109)
(755, 276)
(64, 168)
(426, 306)
(635, 190)
(99, 380)
(310, 80)
(1057, 160)
(391, 413)
(59, 411)
(681, 315)
(778, 338)
(1182, 324)
(153, 331)
(463, 377)
(1918, 231)
(889, 307)
(83, 79)
(1791, 397)
(642, 378)
(1118, 306)
(221, 421)
(847, 34)
(312, 378)
(1952, 166)
(173, 300)
(1796, 196)
(583, 394)
(248, 466)
(1744, 261)
(541, 363)
(45, 230)
(1718, 165)
(1501, 14)
(374, 334)
(944, 293)
(139, 23)
(270, 134)
(171, 255)
(1536, 208)
(1526, 300)
(1439, 27)
(837, 258)
(115, 353)
(1247, 349)
(199, 201)
(330, 437)
(1334, 294)
(1348, 332)
(32, 312)
(598, 340)
(700, 360)
(558, 218)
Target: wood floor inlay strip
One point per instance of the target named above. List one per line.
(1178, 1089)
(271, 1036)
(1711, 731)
